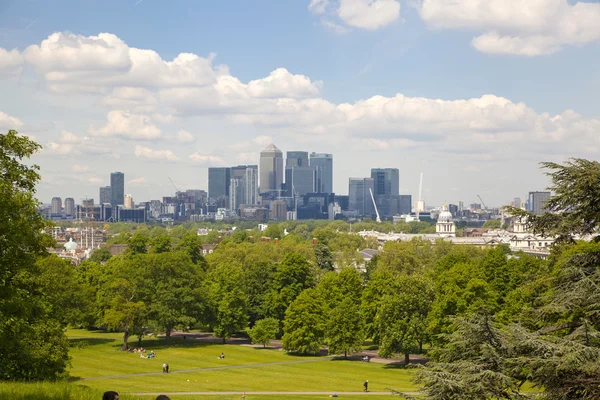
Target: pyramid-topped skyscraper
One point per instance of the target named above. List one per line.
(271, 169)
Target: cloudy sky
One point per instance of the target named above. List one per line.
(473, 93)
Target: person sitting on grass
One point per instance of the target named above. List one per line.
(222, 356)
(162, 397)
(110, 395)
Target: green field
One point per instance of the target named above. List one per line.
(195, 367)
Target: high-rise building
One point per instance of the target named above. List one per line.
(117, 188)
(56, 205)
(296, 159)
(279, 210)
(359, 196)
(271, 169)
(537, 202)
(105, 194)
(236, 193)
(404, 204)
(128, 203)
(69, 206)
(251, 184)
(323, 164)
(218, 182)
(386, 181)
(516, 202)
(300, 181)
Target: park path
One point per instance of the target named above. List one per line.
(180, 371)
(269, 393)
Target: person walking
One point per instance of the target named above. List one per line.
(366, 385)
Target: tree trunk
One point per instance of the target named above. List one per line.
(406, 358)
(168, 333)
(224, 340)
(345, 355)
(420, 347)
(125, 337)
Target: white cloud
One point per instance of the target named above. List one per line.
(368, 14)
(318, 7)
(205, 160)
(281, 83)
(80, 168)
(93, 64)
(11, 62)
(149, 154)
(519, 27)
(134, 98)
(7, 122)
(58, 148)
(184, 137)
(332, 26)
(95, 180)
(128, 125)
(136, 181)
(70, 138)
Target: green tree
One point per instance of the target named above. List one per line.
(324, 257)
(100, 255)
(492, 224)
(192, 245)
(345, 328)
(160, 244)
(305, 323)
(32, 343)
(263, 331)
(274, 231)
(228, 301)
(138, 243)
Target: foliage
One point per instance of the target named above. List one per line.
(263, 331)
(305, 323)
(32, 343)
(492, 224)
(227, 301)
(161, 244)
(100, 255)
(344, 330)
(324, 257)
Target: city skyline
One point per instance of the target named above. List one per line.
(474, 104)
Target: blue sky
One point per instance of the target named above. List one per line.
(533, 63)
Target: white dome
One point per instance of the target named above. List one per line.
(71, 245)
(445, 215)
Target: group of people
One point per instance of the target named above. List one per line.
(110, 395)
(152, 354)
(365, 359)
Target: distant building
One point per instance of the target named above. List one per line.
(279, 210)
(404, 204)
(516, 202)
(56, 206)
(537, 202)
(117, 188)
(445, 226)
(359, 196)
(219, 179)
(105, 194)
(236, 193)
(386, 181)
(128, 203)
(323, 165)
(251, 184)
(271, 169)
(137, 215)
(69, 206)
(300, 181)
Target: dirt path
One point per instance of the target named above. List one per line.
(267, 393)
(180, 371)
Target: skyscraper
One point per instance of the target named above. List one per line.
(105, 194)
(536, 202)
(69, 206)
(300, 178)
(359, 197)
(251, 185)
(218, 182)
(387, 181)
(271, 169)
(128, 203)
(117, 188)
(296, 159)
(323, 164)
(236, 193)
(56, 205)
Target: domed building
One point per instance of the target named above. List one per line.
(71, 245)
(445, 226)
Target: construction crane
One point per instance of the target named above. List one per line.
(419, 200)
(375, 205)
(176, 188)
(482, 203)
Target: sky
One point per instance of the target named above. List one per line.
(472, 93)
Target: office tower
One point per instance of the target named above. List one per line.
(87, 203)
(404, 204)
(279, 210)
(56, 205)
(197, 195)
(218, 182)
(105, 194)
(117, 188)
(300, 178)
(271, 169)
(323, 164)
(461, 206)
(536, 202)
(251, 184)
(296, 159)
(359, 196)
(128, 203)
(516, 202)
(69, 206)
(236, 193)
(386, 181)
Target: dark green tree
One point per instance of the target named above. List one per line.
(100, 255)
(161, 244)
(263, 331)
(345, 328)
(228, 302)
(32, 343)
(192, 245)
(305, 323)
(324, 257)
(138, 243)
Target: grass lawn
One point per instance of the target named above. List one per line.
(96, 355)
